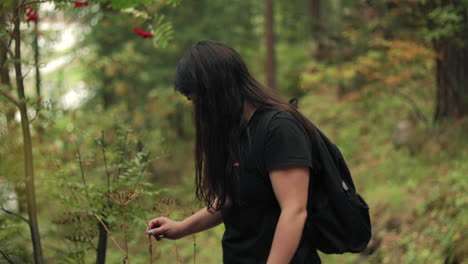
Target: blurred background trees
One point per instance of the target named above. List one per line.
(113, 143)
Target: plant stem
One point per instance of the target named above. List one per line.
(82, 173)
(110, 234)
(105, 164)
(122, 155)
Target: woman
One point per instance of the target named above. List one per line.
(261, 200)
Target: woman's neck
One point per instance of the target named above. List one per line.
(249, 110)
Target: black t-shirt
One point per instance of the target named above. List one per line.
(250, 223)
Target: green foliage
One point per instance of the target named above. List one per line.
(376, 55)
(447, 21)
(123, 4)
(106, 184)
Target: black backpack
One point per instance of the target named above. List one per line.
(338, 218)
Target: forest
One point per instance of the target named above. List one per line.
(95, 141)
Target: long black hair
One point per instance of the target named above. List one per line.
(218, 81)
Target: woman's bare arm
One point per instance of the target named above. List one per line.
(290, 185)
(201, 220)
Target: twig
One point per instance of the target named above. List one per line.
(7, 48)
(73, 194)
(144, 167)
(27, 73)
(176, 252)
(105, 163)
(82, 172)
(9, 97)
(125, 232)
(194, 246)
(13, 213)
(124, 148)
(110, 234)
(413, 105)
(5, 255)
(35, 116)
(150, 246)
(194, 249)
(150, 249)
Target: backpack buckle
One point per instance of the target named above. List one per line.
(343, 184)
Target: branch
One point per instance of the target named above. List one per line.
(5, 255)
(413, 104)
(35, 116)
(9, 97)
(14, 214)
(27, 73)
(4, 60)
(7, 47)
(150, 244)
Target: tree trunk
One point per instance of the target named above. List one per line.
(317, 29)
(270, 45)
(452, 79)
(451, 64)
(315, 11)
(27, 143)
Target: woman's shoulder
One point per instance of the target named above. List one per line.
(281, 117)
(278, 113)
(281, 120)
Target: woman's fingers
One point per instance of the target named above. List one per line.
(163, 227)
(156, 222)
(158, 233)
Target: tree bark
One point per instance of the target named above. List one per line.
(317, 29)
(27, 142)
(315, 12)
(270, 45)
(452, 80)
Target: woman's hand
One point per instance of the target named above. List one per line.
(162, 227)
